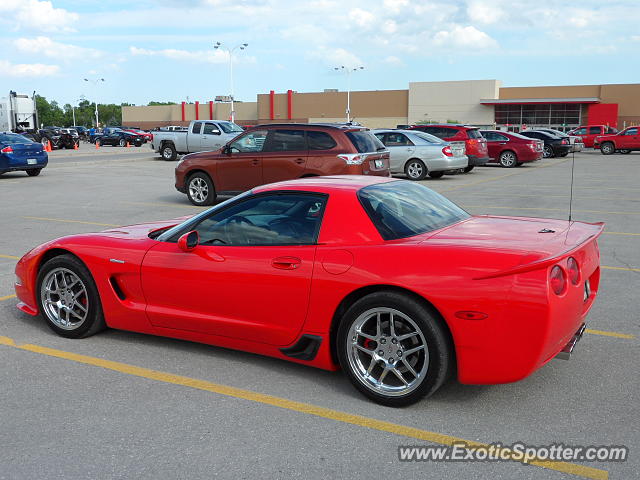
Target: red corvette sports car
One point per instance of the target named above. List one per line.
(383, 278)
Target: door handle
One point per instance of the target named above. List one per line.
(286, 263)
(503, 143)
(300, 161)
(255, 161)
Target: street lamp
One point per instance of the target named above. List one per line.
(73, 109)
(95, 82)
(348, 71)
(221, 46)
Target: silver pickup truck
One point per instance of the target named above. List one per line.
(201, 136)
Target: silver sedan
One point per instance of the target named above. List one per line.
(418, 154)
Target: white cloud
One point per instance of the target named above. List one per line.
(197, 56)
(464, 37)
(27, 69)
(484, 12)
(362, 18)
(393, 60)
(36, 15)
(336, 57)
(389, 27)
(395, 6)
(44, 46)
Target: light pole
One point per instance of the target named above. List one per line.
(348, 71)
(95, 82)
(221, 46)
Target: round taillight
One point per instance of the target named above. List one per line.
(447, 151)
(574, 270)
(558, 280)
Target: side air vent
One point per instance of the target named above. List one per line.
(116, 288)
(305, 349)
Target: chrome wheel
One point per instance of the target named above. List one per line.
(198, 189)
(508, 159)
(607, 148)
(387, 351)
(547, 152)
(122, 142)
(415, 170)
(64, 298)
(167, 153)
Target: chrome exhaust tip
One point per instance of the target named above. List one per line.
(565, 353)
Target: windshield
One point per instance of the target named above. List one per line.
(12, 139)
(228, 127)
(403, 209)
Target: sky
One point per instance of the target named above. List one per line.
(162, 50)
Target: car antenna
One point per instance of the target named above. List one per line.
(573, 163)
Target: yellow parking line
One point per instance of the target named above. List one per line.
(625, 269)
(72, 221)
(7, 297)
(306, 408)
(550, 209)
(12, 257)
(609, 334)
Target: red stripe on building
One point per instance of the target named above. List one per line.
(272, 96)
(210, 110)
(183, 113)
(289, 104)
(197, 110)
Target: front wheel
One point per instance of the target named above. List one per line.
(200, 189)
(508, 159)
(415, 169)
(122, 142)
(607, 148)
(547, 152)
(393, 348)
(436, 174)
(68, 298)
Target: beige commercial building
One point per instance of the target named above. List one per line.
(475, 102)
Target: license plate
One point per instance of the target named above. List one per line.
(587, 290)
(31, 161)
(379, 163)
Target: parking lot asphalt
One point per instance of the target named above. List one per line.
(119, 404)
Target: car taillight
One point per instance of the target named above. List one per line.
(574, 270)
(557, 280)
(7, 150)
(352, 158)
(565, 141)
(447, 151)
(533, 146)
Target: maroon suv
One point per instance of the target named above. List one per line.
(512, 149)
(275, 152)
(476, 145)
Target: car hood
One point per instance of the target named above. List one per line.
(140, 230)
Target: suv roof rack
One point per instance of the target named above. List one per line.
(341, 126)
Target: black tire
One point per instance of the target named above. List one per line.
(547, 152)
(415, 169)
(168, 152)
(439, 174)
(468, 168)
(508, 159)
(122, 142)
(440, 352)
(563, 154)
(607, 148)
(624, 151)
(94, 321)
(203, 181)
(34, 172)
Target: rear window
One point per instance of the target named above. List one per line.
(427, 137)
(13, 138)
(403, 209)
(365, 141)
(474, 133)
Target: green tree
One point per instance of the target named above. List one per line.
(153, 104)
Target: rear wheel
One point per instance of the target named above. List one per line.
(468, 169)
(436, 174)
(547, 152)
(607, 148)
(393, 348)
(68, 298)
(34, 172)
(200, 189)
(508, 159)
(624, 151)
(415, 169)
(122, 142)
(168, 152)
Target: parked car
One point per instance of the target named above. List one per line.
(626, 141)
(18, 153)
(146, 135)
(275, 152)
(118, 137)
(588, 133)
(418, 154)
(576, 142)
(383, 278)
(554, 146)
(202, 135)
(58, 137)
(511, 149)
(475, 144)
(83, 132)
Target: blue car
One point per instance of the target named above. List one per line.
(20, 153)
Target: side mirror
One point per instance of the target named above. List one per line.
(215, 132)
(226, 150)
(189, 241)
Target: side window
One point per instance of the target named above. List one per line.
(196, 128)
(594, 131)
(490, 136)
(580, 131)
(632, 131)
(320, 140)
(500, 138)
(380, 136)
(285, 141)
(272, 219)
(397, 140)
(252, 141)
(210, 129)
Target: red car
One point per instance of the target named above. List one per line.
(626, 141)
(145, 135)
(511, 149)
(590, 132)
(476, 145)
(383, 278)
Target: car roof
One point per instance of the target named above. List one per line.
(454, 125)
(327, 184)
(338, 126)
